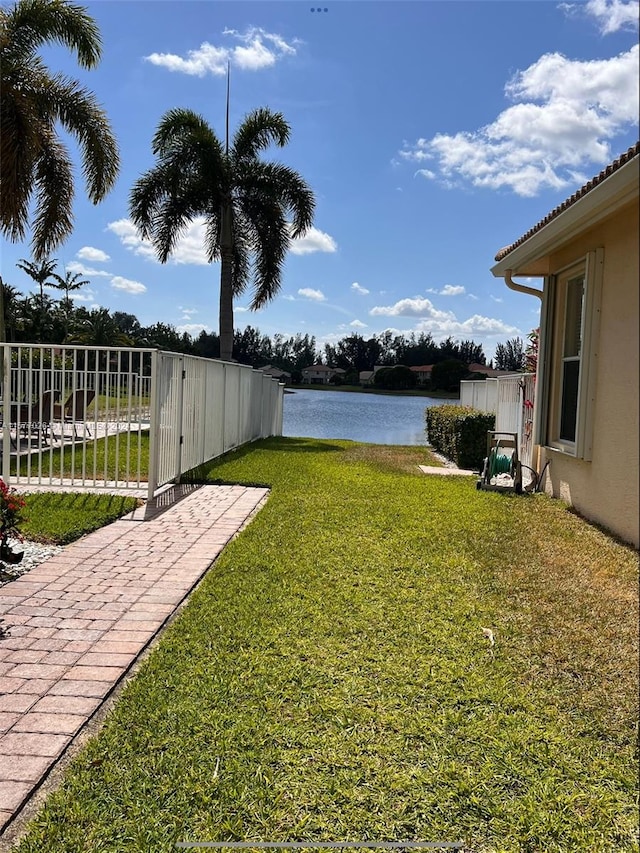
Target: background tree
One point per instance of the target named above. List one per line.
(98, 328)
(398, 378)
(42, 273)
(10, 313)
(447, 375)
(510, 355)
(69, 283)
(244, 201)
(33, 102)
(531, 351)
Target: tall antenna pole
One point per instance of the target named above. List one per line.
(227, 119)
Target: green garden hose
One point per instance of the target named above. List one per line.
(499, 464)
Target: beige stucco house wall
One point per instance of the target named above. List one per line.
(592, 238)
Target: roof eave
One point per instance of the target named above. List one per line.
(617, 190)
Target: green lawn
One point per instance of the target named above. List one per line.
(63, 517)
(107, 456)
(330, 679)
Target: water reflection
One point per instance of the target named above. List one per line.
(374, 418)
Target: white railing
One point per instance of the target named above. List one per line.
(124, 418)
(204, 408)
(511, 398)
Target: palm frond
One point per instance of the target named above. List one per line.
(179, 129)
(30, 24)
(270, 242)
(258, 130)
(284, 186)
(241, 253)
(53, 218)
(78, 111)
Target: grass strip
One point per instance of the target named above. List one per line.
(330, 678)
(62, 517)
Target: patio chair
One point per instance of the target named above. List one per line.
(75, 408)
(41, 414)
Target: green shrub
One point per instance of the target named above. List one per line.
(459, 433)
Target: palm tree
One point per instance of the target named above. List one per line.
(243, 200)
(32, 102)
(10, 307)
(41, 273)
(69, 282)
(98, 328)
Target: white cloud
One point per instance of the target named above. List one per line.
(192, 329)
(426, 173)
(258, 49)
(128, 235)
(448, 290)
(241, 309)
(88, 253)
(496, 298)
(416, 307)
(310, 293)
(357, 324)
(313, 241)
(443, 324)
(475, 325)
(85, 295)
(566, 114)
(76, 267)
(134, 287)
(189, 249)
(357, 288)
(611, 15)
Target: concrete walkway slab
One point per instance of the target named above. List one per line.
(72, 627)
(447, 472)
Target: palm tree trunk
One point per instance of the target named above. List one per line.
(226, 285)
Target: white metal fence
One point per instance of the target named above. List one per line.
(125, 418)
(511, 398)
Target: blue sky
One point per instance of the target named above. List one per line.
(432, 134)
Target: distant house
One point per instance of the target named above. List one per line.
(423, 374)
(490, 372)
(365, 377)
(586, 406)
(320, 374)
(277, 373)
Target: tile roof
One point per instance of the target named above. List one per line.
(594, 182)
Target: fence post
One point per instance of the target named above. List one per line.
(154, 426)
(6, 415)
(179, 420)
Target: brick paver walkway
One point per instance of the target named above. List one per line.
(74, 625)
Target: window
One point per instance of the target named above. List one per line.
(572, 308)
(570, 385)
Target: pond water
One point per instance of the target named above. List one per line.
(373, 418)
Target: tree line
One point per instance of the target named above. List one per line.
(38, 317)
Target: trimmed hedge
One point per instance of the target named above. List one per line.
(460, 434)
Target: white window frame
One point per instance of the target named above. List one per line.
(590, 268)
